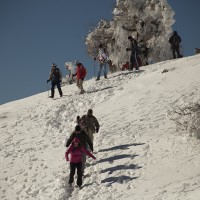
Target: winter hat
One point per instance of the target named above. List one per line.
(76, 140)
(130, 37)
(100, 46)
(54, 65)
(79, 64)
(90, 112)
(77, 128)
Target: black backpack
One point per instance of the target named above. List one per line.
(56, 75)
(175, 40)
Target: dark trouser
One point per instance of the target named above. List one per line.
(134, 61)
(175, 50)
(73, 167)
(53, 84)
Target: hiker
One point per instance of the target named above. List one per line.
(175, 41)
(70, 78)
(80, 75)
(197, 50)
(76, 150)
(103, 61)
(84, 140)
(89, 124)
(56, 78)
(134, 54)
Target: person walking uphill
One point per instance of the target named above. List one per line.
(103, 61)
(76, 150)
(56, 78)
(89, 124)
(84, 140)
(175, 41)
(134, 60)
(80, 75)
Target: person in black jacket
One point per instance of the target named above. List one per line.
(175, 41)
(56, 78)
(134, 53)
(84, 140)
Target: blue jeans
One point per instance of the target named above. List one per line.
(53, 84)
(104, 66)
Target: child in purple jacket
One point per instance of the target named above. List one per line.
(76, 150)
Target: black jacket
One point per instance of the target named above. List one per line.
(83, 137)
(175, 40)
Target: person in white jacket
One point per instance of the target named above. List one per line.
(103, 61)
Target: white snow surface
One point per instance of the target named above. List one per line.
(140, 153)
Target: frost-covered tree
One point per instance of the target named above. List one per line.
(148, 21)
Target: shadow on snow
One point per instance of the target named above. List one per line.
(117, 157)
(119, 179)
(121, 147)
(120, 167)
(106, 88)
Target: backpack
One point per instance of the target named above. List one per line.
(56, 75)
(175, 40)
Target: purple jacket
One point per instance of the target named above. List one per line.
(76, 154)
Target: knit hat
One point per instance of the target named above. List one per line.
(53, 65)
(90, 112)
(77, 128)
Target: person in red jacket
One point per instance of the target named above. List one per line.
(80, 75)
(76, 151)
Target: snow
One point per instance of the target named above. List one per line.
(141, 154)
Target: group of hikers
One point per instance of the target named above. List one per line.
(103, 59)
(56, 76)
(135, 61)
(80, 144)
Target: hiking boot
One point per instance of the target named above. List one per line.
(79, 186)
(98, 78)
(82, 92)
(51, 97)
(105, 76)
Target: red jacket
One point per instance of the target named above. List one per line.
(76, 154)
(80, 72)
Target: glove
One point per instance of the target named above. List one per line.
(97, 130)
(48, 80)
(95, 59)
(83, 79)
(92, 149)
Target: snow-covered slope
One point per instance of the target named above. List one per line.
(140, 153)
